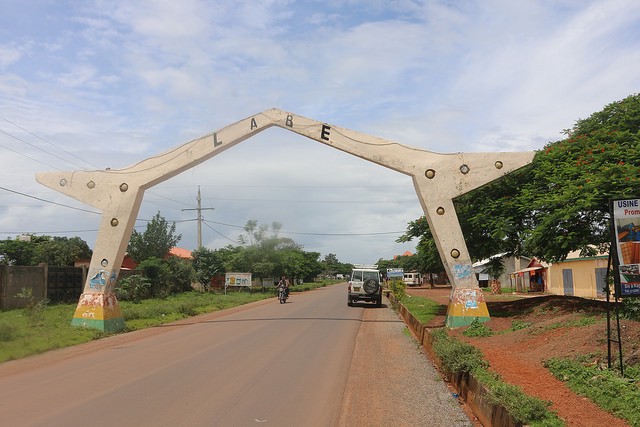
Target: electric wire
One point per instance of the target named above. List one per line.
(48, 142)
(28, 157)
(228, 238)
(48, 201)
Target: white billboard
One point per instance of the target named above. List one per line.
(237, 279)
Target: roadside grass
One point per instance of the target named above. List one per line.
(477, 329)
(422, 308)
(458, 357)
(21, 335)
(153, 312)
(41, 327)
(606, 388)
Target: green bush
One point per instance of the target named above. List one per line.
(455, 355)
(33, 309)
(525, 409)
(182, 275)
(133, 288)
(477, 329)
(606, 388)
(630, 308)
(397, 287)
(168, 277)
(517, 325)
(458, 357)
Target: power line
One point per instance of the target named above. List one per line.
(48, 142)
(38, 148)
(189, 220)
(94, 230)
(28, 157)
(48, 201)
(229, 239)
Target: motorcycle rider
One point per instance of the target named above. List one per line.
(284, 283)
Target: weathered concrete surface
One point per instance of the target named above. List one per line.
(438, 179)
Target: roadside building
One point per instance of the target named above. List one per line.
(534, 277)
(511, 264)
(579, 276)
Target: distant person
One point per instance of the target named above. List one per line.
(284, 283)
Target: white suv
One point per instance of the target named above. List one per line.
(365, 285)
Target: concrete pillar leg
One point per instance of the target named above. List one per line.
(99, 311)
(466, 305)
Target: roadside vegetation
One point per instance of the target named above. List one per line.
(586, 375)
(606, 388)
(41, 327)
(458, 358)
(162, 291)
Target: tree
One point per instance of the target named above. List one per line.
(558, 203)
(62, 251)
(330, 264)
(207, 264)
(16, 252)
(576, 177)
(427, 258)
(156, 241)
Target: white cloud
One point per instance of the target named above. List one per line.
(9, 55)
(114, 82)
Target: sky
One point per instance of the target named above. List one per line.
(106, 83)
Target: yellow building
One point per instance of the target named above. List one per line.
(578, 276)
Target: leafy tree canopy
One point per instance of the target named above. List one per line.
(558, 203)
(156, 241)
(60, 251)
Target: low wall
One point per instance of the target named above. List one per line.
(57, 284)
(468, 388)
(21, 280)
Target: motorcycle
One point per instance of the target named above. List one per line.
(282, 294)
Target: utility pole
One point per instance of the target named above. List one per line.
(199, 209)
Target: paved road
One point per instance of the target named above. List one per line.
(264, 364)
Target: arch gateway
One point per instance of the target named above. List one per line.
(437, 178)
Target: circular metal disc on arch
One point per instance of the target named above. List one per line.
(437, 178)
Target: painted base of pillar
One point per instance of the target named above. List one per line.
(99, 311)
(466, 305)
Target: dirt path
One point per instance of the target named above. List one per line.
(518, 356)
(392, 382)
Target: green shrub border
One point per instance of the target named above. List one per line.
(458, 358)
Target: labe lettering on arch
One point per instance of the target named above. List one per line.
(216, 143)
(253, 123)
(326, 131)
(289, 121)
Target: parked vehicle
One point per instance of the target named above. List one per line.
(412, 279)
(365, 285)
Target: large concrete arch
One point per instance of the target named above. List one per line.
(437, 178)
